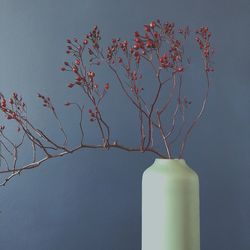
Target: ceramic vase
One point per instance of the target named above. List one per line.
(170, 206)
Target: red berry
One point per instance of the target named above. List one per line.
(137, 39)
(180, 69)
(91, 74)
(11, 101)
(70, 85)
(75, 69)
(152, 24)
(136, 46)
(106, 86)
(146, 28)
(79, 78)
(77, 62)
(63, 69)
(206, 52)
(120, 60)
(156, 35)
(85, 41)
(137, 34)
(3, 104)
(149, 44)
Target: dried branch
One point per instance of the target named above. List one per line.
(161, 49)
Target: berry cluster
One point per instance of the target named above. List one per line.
(85, 76)
(158, 40)
(159, 49)
(93, 114)
(94, 36)
(113, 50)
(46, 102)
(203, 40)
(14, 108)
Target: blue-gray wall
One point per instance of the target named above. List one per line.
(91, 200)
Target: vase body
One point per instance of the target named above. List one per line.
(170, 206)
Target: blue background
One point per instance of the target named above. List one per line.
(91, 200)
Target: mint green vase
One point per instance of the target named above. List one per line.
(170, 206)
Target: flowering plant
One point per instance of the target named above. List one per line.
(162, 109)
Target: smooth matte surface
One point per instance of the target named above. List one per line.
(170, 206)
(92, 200)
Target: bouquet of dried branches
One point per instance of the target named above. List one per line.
(159, 48)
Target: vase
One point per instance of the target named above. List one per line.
(170, 206)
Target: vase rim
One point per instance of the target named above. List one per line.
(164, 161)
